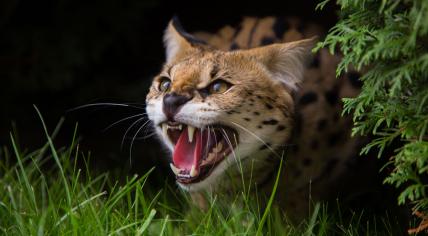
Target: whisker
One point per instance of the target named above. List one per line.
(146, 126)
(229, 143)
(121, 120)
(146, 136)
(104, 104)
(136, 103)
(209, 130)
(208, 140)
(129, 128)
(133, 139)
(257, 137)
(147, 129)
(215, 138)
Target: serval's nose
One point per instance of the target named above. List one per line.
(172, 104)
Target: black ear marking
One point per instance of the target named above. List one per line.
(179, 28)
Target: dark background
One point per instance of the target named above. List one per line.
(65, 53)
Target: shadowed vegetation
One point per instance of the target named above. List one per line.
(43, 197)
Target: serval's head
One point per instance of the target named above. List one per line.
(213, 108)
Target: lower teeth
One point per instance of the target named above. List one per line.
(174, 169)
(193, 171)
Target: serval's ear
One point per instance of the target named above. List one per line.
(286, 61)
(178, 42)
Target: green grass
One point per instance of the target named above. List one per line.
(39, 196)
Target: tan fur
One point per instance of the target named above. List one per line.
(270, 83)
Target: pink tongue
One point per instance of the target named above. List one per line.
(187, 154)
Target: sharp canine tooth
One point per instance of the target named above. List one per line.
(180, 127)
(165, 129)
(193, 171)
(191, 131)
(174, 169)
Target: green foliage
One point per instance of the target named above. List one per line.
(47, 192)
(388, 40)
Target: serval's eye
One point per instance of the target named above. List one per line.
(219, 86)
(164, 84)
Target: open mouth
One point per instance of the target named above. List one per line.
(198, 151)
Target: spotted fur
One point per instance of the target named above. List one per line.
(284, 102)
